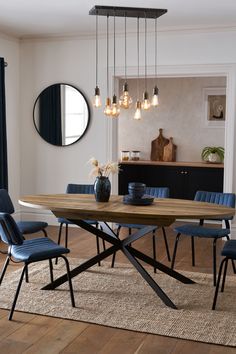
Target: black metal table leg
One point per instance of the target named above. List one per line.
(108, 235)
(81, 268)
(149, 279)
(163, 268)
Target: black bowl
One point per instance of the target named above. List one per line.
(136, 189)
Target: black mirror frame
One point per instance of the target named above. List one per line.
(89, 114)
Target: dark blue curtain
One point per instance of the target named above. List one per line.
(50, 115)
(3, 130)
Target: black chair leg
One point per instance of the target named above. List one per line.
(59, 234)
(130, 232)
(175, 250)
(69, 281)
(193, 251)
(233, 265)
(114, 254)
(51, 270)
(98, 248)
(166, 244)
(154, 248)
(214, 261)
(26, 274)
(45, 233)
(224, 277)
(59, 238)
(218, 284)
(66, 236)
(17, 292)
(4, 269)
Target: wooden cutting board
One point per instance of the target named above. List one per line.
(169, 151)
(157, 147)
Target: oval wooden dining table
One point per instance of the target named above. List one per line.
(162, 212)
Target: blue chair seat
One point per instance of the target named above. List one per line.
(201, 231)
(224, 199)
(29, 251)
(68, 222)
(37, 249)
(229, 249)
(30, 227)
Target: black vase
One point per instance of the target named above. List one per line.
(102, 189)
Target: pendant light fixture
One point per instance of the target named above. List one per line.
(115, 108)
(155, 98)
(137, 113)
(97, 99)
(125, 98)
(107, 110)
(146, 102)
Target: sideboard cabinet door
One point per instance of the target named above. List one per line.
(182, 181)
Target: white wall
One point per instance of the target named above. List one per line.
(9, 50)
(48, 169)
(181, 114)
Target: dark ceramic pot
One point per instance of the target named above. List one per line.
(102, 189)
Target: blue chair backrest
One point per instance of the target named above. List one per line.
(80, 188)
(226, 199)
(9, 231)
(158, 192)
(6, 205)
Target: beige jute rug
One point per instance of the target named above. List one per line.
(120, 298)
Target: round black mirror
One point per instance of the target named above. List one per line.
(61, 114)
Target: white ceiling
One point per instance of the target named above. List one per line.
(42, 18)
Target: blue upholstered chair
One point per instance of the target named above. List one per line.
(157, 192)
(193, 230)
(29, 251)
(229, 253)
(77, 189)
(26, 227)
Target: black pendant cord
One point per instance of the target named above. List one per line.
(145, 50)
(155, 48)
(138, 57)
(114, 38)
(125, 52)
(96, 50)
(107, 56)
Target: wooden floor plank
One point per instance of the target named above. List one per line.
(29, 333)
(57, 338)
(187, 347)
(153, 344)
(8, 327)
(125, 342)
(91, 340)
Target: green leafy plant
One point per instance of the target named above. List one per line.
(219, 150)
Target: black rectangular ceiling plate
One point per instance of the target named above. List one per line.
(118, 11)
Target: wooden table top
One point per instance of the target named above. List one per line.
(162, 212)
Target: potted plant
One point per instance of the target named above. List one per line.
(213, 154)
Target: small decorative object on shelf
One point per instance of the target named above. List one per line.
(102, 184)
(125, 155)
(135, 155)
(213, 154)
(157, 147)
(169, 153)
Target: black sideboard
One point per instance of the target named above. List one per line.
(183, 180)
